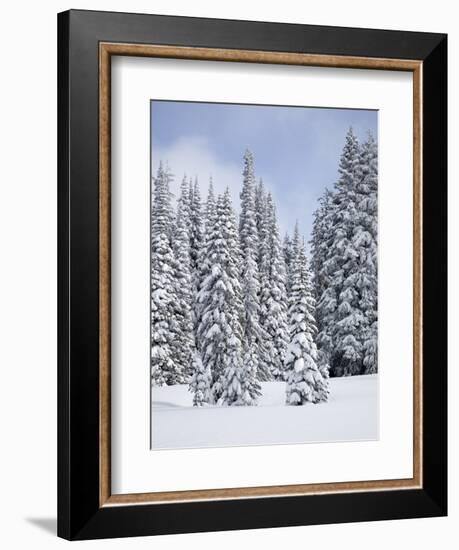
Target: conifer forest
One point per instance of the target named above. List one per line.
(237, 307)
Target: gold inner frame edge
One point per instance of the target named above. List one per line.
(106, 51)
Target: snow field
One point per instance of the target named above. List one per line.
(351, 414)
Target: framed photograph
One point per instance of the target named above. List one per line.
(252, 274)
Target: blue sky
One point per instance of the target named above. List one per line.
(296, 149)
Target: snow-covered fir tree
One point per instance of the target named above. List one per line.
(196, 231)
(164, 368)
(200, 382)
(344, 247)
(291, 248)
(230, 234)
(320, 242)
(296, 240)
(273, 296)
(240, 381)
(365, 240)
(210, 205)
(248, 234)
(322, 236)
(348, 320)
(184, 201)
(305, 381)
(261, 220)
(219, 329)
(212, 299)
(287, 248)
(265, 345)
(183, 345)
(203, 261)
(162, 202)
(237, 390)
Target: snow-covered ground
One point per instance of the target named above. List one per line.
(350, 414)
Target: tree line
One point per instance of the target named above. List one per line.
(233, 306)
(345, 263)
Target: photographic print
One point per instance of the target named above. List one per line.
(264, 275)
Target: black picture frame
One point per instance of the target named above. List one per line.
(80, 515)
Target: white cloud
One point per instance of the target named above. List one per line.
(192, 156)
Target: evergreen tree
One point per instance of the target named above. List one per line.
(196, 238)
(344, 252)
(163, 220)
(339, 303)
(200, 382)
(273, 296)
(204, 262)
(305, 382)
(210, 205)
(287, 248)
(196, 226)
(164, 369)
(183, 326)
(349, 320)
(291, 249)
(296, 242)
(236, 387)
(322, 237)
(261, 221)
(265, 350)
(248, 233)
(320, 242)
(184, 201)
(241, 386)
(219, 329)
(365, 240)
(234, 259)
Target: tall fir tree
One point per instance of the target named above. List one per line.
(296, 241)
(211, 205)
(365, 240)
(234, 259)
(164, 369)
(347, 355)
(219, 329)
(241, 386)
(287, 248)
(211, 299)
(184, 200)
(320, 242)
(163, 221)
(196, 223)
(248, 234)
(183, 326)
(322, 237)
(265, 347)
(346, 252)
(203, 260)
(291, 249)
(261, 221)
(196, 237)
(273, 296)
(305, 381)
